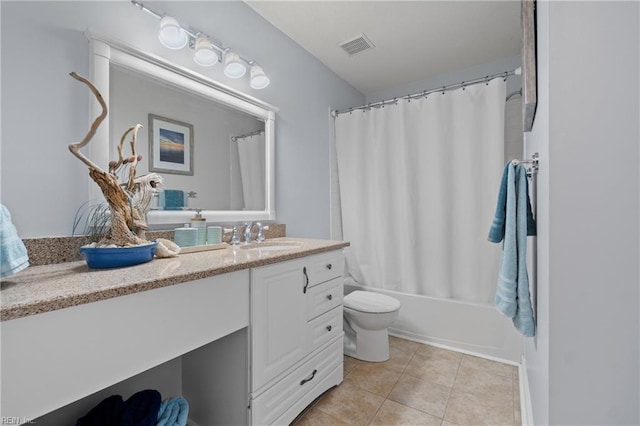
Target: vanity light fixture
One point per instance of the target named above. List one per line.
(207, 52)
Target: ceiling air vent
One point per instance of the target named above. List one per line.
(356, 45)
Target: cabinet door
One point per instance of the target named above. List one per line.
(278, 320)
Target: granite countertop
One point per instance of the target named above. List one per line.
(39, 289)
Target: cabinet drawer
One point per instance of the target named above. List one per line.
(324, 297)
(324, 328)
(267, 407)
(325, 266)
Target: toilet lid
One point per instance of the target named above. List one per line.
(368, 301)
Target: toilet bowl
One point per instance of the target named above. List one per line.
(367, 316)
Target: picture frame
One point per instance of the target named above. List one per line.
(170, 146)
(529, 72)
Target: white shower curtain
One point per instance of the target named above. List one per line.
(251, 158)
(418, 187)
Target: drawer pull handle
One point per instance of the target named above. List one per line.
(306, 277)
(303, 381)
(329, 266)
(329, 296)
(329, 328)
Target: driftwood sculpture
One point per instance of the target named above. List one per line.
(128, 202)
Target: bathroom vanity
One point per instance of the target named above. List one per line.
(296, 334)
(249, 335)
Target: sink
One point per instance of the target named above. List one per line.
(272, 246)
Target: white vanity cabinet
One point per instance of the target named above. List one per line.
(296, 334)
(247, 341)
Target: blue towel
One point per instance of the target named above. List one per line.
(141, 409)
(173, 199)
(496, 233)
(512, 292)
(13, 253)
(107, 413)
(173, 412)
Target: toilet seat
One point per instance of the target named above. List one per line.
(370, 302)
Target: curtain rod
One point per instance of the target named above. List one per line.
(246, 135)
(442, 89)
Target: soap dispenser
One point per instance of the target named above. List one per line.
(200, 223)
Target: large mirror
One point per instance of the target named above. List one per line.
(213, 146)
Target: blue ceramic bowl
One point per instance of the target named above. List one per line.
(116, 257)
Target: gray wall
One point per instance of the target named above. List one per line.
(44, 110)
(583, 367)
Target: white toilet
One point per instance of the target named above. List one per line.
(367, 315)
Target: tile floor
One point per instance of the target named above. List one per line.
(420, 385)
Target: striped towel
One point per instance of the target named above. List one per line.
(173, 412)
(512, 292)
(496, 232)
(13, 253)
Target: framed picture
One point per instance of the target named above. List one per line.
(529, 84)
(170, 146)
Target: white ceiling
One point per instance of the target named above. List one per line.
(414, 40)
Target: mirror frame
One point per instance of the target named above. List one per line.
(105, 51)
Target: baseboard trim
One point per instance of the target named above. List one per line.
(425, 340)
(526, 412)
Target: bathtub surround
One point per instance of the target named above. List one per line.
(473, 328)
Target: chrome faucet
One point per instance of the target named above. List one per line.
(261, 229)
(234, 235)
(247, 232)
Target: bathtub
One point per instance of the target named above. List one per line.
(473, 328)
